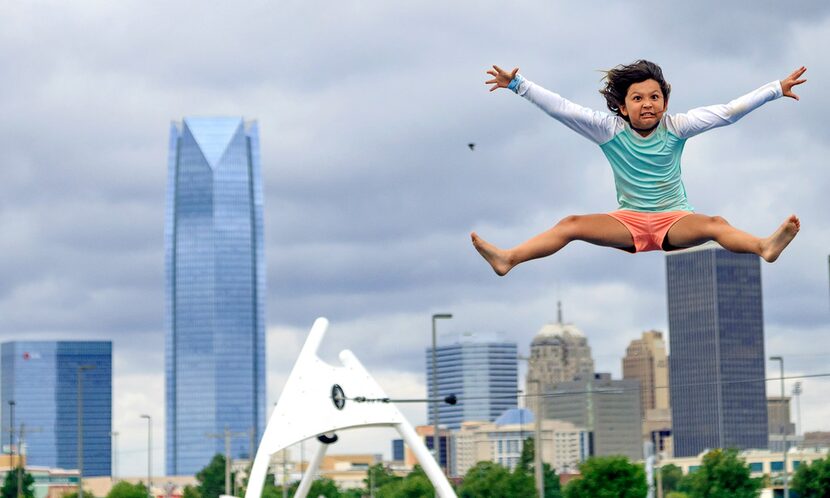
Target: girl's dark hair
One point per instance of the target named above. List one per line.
(618, 79)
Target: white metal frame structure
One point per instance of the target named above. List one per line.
(315, 403)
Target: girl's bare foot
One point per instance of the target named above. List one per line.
(497, 258)
(772, 246)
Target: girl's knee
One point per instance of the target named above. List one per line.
(718, 221)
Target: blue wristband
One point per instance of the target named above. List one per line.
(515, 82)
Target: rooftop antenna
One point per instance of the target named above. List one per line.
(559, 312)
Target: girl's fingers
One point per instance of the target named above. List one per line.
(494, 87)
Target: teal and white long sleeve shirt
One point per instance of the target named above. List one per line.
(646, 169)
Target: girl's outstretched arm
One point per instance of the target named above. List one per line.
(599, 127)
(698, 120)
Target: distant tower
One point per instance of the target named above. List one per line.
(716, 338)
(482, 371)
(559, 353)
(215, 269)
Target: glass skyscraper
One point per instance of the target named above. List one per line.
(716, 338)
(42, 379)
(215, 283)
(481, 371)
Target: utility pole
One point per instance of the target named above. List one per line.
(227, 435)
(81, 370)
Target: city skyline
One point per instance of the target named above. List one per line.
(370, 188)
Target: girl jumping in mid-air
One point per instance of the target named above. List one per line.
(643, 145)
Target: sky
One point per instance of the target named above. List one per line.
(365, 112)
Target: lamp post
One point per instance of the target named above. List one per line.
(81, 370)
(11, 429)
(436, 440)
(149, 454)
(780, 361)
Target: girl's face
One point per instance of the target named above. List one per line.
(644, 104)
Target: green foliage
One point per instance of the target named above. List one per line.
(671, 475)
(526, 458)
(10, 484)
(319, 487)
(378, 476)
(212, 478)
(813, 480)
(721, 475)
(553, 489)
(608, 477)
(677, 494)
(191, 491)
(124, 489)
(74, 494)
(414, 485)
(491, 480)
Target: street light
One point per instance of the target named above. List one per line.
(538, 470)
(81, 370)
(114, 435)
(436, 440)
(149, 454)
(780, 361)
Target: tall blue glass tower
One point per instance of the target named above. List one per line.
(215, 282)
(716, 336)
(482, 371)
(44, 381)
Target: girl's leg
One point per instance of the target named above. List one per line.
(599, 229)
(696, 229)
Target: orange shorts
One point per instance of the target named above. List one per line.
(648, 229)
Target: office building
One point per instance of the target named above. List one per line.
(558, 353)
(564, 445)
(215, 283)
(716, 338)
(46, 386)
(481, 370)
(609, 409)
(646, 361)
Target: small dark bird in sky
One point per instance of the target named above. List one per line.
(471, 145)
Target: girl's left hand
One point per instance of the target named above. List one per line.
(792, 80)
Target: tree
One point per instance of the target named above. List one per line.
(319, 487)
(191, 491)
(415, 485)
(721, 475)
(378, 476)
(608, 477)
(126, 490)
(552, 487)
(212, 478)
(10, 484)
(671, 475)
(676, 494)
(813, 480)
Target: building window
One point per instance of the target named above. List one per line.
(756, 467)
(777, 466)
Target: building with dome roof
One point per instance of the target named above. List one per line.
(559, 353)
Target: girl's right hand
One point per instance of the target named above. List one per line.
(501, 78)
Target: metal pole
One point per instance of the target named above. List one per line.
(81, 370)
(284, 475)
(436, 439)
(149, 454)
(780, 361)
(11, 428)
(19, 463)
(114, 456)
(797, 395)
(227, 461)
(538, 466)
